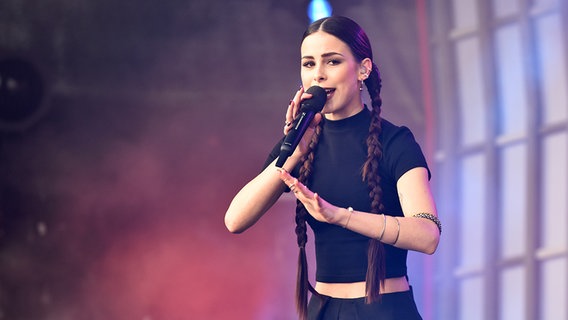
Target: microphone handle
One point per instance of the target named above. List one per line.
(293, 137)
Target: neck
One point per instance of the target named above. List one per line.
(345, 113)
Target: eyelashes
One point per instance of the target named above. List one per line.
(333, 62)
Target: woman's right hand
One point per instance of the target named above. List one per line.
(291, 113)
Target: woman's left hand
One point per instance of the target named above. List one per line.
(317, 207)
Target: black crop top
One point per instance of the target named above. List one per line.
(341, 254)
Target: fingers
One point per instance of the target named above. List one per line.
(294, 185)
(303, 193)
(286, 177)
(289, 117)
(296, 104)
(294, 108)
(298, 188)
(290, 181)
(311, 200)
(316, 120)
(318, 202)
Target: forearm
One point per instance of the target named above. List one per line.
(255, 198)
(406, 232)
(409, 233)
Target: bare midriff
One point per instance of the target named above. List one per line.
(357, 289)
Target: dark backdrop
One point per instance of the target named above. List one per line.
(155, 113)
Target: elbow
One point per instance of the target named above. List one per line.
(234, 230)
(232, 225)
(430, 237)
(432, 244)
(431, 250)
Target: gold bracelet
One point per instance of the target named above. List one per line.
(397, 231)
(384, 227)
(348, 218)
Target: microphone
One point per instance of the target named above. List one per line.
(308, 109)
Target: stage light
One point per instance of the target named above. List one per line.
(318, 9)
(21, 94)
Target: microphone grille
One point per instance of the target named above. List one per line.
(317, 101)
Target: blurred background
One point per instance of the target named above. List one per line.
(127, 127)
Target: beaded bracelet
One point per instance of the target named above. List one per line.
(432, 218)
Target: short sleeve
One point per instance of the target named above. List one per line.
(402, 152)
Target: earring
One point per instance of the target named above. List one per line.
(361, 86)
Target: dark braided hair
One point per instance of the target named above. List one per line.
(376, 253)
(303, 283)
(354, 36)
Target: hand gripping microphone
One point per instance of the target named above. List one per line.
(308, 109)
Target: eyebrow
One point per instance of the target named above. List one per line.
(325, 55)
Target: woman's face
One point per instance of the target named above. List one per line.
(328, 62)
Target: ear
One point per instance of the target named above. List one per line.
(365, 69)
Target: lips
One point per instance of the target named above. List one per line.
(329, 92)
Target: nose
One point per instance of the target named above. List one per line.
(319, 74)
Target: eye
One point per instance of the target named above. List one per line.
(334, 62)
(308, 64)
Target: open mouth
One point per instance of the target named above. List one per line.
(329, 92)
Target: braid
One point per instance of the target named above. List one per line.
(376, 253)
(374, 148)
(302, 281)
